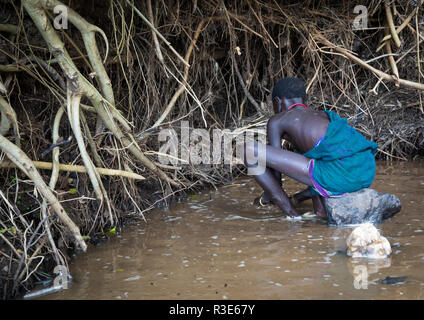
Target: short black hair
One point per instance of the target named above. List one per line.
(289, 88)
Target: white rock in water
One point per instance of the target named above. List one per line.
(366, 242)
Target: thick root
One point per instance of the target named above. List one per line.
(21, 160)
(8, 118)
(57, 47)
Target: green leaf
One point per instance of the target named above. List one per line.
(73, 191)
(119, 270)
(11, 229)
(111, 231)
(193, 195)
(85, 237)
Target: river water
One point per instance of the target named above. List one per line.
(216, 245)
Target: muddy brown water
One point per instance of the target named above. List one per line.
(216, 245)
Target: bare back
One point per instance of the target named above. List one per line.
(303, 128)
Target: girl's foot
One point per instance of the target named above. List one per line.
(262, 200)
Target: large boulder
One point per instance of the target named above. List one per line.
(365, 205)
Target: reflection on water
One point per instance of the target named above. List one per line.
(218, 246)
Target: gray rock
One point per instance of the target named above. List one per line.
(365, 205)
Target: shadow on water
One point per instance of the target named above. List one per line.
(216, 245)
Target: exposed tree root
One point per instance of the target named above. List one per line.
(56, 46)
(379, 73)
(81, 169)
(22, 161)
(8, 118)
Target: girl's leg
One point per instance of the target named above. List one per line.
(301, 196)
(319, 207)
(289, 163)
